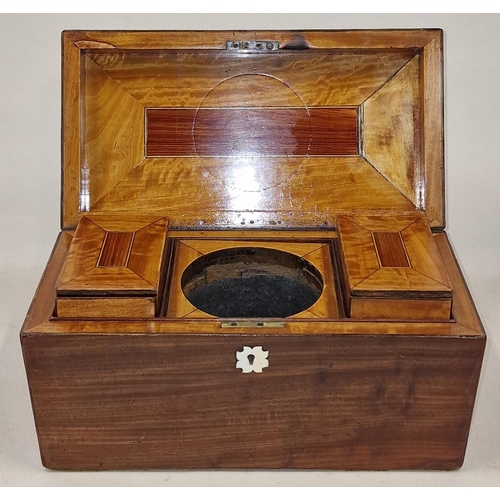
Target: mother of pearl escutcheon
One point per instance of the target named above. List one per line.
(252, 359)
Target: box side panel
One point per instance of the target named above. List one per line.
(179, 402)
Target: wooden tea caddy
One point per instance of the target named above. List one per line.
(196, 162)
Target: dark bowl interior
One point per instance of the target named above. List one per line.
(252, 282)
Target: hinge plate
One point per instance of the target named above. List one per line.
(252, 324)
(253, 45)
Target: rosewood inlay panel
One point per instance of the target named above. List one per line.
(255, 131)
(115, 250)
(390, 249)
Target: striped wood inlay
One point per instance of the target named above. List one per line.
(279, 131)
(390, 249)
(115, 249)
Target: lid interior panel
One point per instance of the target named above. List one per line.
(218, 138)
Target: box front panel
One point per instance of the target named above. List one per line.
(180, 401)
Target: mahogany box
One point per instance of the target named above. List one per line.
(253, 269)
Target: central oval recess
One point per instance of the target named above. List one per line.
(251, 282)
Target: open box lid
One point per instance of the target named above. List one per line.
(252, 129)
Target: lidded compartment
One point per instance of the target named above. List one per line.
(391, 268)
(115, 267)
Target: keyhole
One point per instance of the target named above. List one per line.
(251, 358)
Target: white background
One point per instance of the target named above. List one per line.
(30, 96)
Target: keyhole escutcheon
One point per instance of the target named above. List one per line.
(252, 359)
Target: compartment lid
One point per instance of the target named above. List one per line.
(392, 257)
(259, 129)
(110, 257)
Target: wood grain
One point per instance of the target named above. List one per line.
(84, 253)
(324, 235)
(423, 252)
(114, 131)
(178, 402)
(357, 253)
(285, 78)
(327, 305)
(108, 280)
(405, 309)
(147, 255)
(393, 265)
(85, 271)
(391, 391)
(316, 253)
(391, 131)
(466, 321)
(391, 222)
(296, 327)
(125, 262)
(232, 82)
(71, 131)
(251, 131)
(316, 190)
(464, 311)
(43, 303)
(301, 249)
(431, 78)
(425, 273)
(404, 282)
(115, 250)
(136, 307)
(121, 223)
(214, 39)
(115, 85)
(177, 304)
(390, 249)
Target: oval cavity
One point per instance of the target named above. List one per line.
(251, 282)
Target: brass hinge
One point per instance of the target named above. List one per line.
(253, 45)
